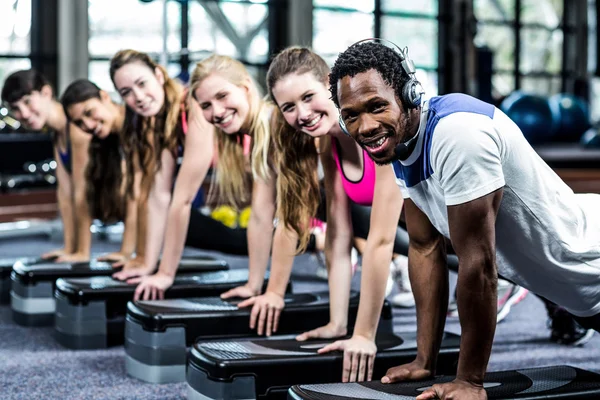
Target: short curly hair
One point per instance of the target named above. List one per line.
(364, 56)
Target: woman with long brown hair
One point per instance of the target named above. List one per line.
(297, 82)
(92, 110)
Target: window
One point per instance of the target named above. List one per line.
(15, 43)
(534, 65)
(338, 24)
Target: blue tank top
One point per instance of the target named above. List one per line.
(65, 157)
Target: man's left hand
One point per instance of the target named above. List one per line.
(455, 390)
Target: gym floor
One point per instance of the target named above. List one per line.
(34, 366)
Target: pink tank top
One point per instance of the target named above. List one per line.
(360, 192)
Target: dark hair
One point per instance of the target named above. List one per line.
(364, 56)
(103, 174)
(143, 141)
(298, 192)
(22, 83)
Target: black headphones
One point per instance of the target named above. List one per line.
(411, 95)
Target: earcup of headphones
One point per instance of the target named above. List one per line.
(411, 93)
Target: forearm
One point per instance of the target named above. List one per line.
(477, 302)
(67, 214)
(130, 232)
(339, 277)
(429, 280)
(177, 225)
(375, 272)
(154, 228)
(260, 237)
(84, 235)
(284, 250)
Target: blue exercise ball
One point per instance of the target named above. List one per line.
(574, 116)
(591, 139)
(537, 118)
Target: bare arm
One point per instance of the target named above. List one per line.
(285, 242)
(199, 145)
(472, 230)
(260, 231)
(385, 213)
(64, 198)
(338, 240)
(80, 142)
(157, 206)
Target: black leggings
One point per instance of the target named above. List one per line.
(207, 233)
(361, 223)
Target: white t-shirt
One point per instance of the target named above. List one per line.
(547, 237)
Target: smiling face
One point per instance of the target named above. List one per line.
(32, 110)
(223, 104)
(305, 104)
(141, 88)
(373, 114)
(93, 116)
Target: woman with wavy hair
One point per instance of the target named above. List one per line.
(31, 100)
(92, 110)
(223, 92)
(305, 130)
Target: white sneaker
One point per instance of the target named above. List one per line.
(405, 296)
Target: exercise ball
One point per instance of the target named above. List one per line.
(591, 139)
(574, 116)
(537, 118)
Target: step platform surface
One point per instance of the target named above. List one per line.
(157, 333)
(32, 285)
(556, 382)
(6, 267)
(90, 312)
(265, 368)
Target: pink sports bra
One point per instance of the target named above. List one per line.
(360, 192)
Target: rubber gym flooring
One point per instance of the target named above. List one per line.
(34, 366)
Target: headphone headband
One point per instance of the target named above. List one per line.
(412, 92)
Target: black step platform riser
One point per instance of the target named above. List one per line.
(558, 382)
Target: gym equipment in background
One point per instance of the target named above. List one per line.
(265, 368)
(157, 333)
(538, 118)
(556, 382)
(32, 292)
(574, 117)
(591, 139)
(90, 312)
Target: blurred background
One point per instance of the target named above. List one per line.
(535, 59)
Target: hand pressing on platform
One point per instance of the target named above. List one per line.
(54, 254)
(73, 258)
(457, 389)
(265, 313)
(243, 292)
(414, 371)
(359, 357)
(133, 268)
(116, 258)
(152, 287)
(331, 330)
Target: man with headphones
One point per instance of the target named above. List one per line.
(467, 174)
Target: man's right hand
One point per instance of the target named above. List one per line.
(132, 268)
(359, 357)
(415, 371)
(243, 292)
